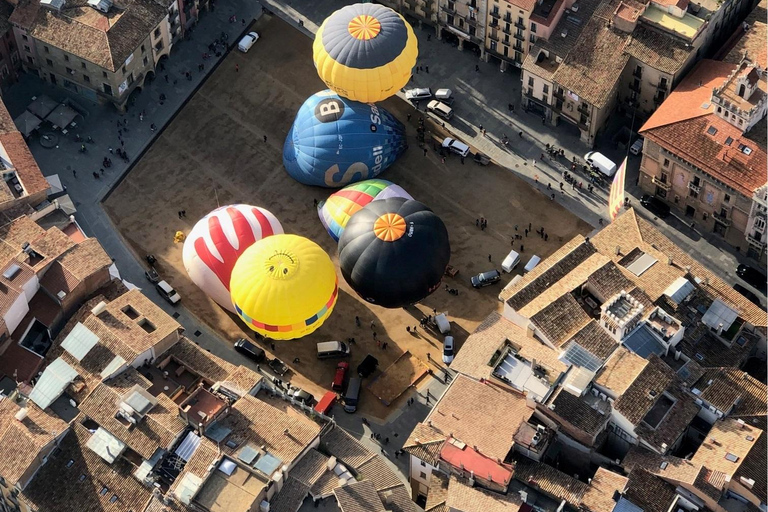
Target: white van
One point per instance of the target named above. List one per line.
(532, 263)
(440, 109)
(601, 162)
(511, 261)
(331, 349)
(247, 41)
(443, 325)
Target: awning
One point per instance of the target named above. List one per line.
(27, 122)
(188, 446)
(62, 116)
(42, 106)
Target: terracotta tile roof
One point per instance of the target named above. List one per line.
(526, 5)
(106, 40)
(561, 319)
(724, 387)
(599, 495)
(649, 492)
(310, 468)
(378, 472)
(753, 41)
(551, 481)
(629, 231)
(577, 412)
(620, 371)
(551, 270)
(254, 421)
(594, 338)
(199, 361)
(462, 496)
(345, 448)
(358, 497)
(658, 50)
(290, 496)
(594, 65)
(673, 469)
(18, 152)
(438, 491)
(85, 259)
(608, 280)
(59, 279)
(21, 362)
(19, 231)
(424, 443)
(480, 414)
(200, 463)
(398, 499)
(703, 346)
(89, 495)
(711, 483)
(158, 429)
(325, 484)
(491, 335)
(52, 244)
(753, 467)
(243, 379)
(21, 441)
(672, 426)
(647, 388)
(727, 437)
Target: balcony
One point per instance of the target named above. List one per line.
(637, 73)
(584, 109)
(559, 94)
(493, 37)
(635, 87)
(508, 18)
(658, 98)
(519, 36)
(448, 9)
(494, 24)
(518, 47)
(662, 86)
(722, 219)
(760, 244)
(519, 25)
(471, 21)
(507, 31)
(660, 183)
(495, 14)
(694, 187)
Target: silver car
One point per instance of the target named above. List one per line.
(421, 93)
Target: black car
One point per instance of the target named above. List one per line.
(249, 349)
(748, 294)
(655, 205)
(485, 278)
(367, 366)
(752, 276)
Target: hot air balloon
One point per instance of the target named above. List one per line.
(284, 286)
(335, 141)
(365, 52)
(337, 209)
(394, 252)
(218, 239)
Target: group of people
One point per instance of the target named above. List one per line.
(481, 223)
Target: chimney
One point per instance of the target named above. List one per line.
(670, 261)
(618, 250)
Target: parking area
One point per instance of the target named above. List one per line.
(214, 153)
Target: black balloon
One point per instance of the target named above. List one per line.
(394, 252)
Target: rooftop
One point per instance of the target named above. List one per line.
(551, 481)
(599, 495)
(459, 455)
(645, 391)
(463, 496)
(688, 26)
(84, 482)
(13, 145)
(425, 443)
(752, 42)
(727, 444)
(649, 492)
(213, 369)
(726, 388)
(577, 412)
(620, 371)
(105, 39)
(358, 497)
(481, 415)
(657, 50)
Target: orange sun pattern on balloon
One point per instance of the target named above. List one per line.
(364, 27)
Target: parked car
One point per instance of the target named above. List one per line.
(341, 374)
(448, 350)
(420, 93)
(302, 396)
(752, 276)
(485, 278)
(167, 292)
(445, 95)
(440, 109)
(637, 147)
(748, 294)
(655, 205)
(250, 350)
(278, 366)
(247, 41)
(456, 146)
(601, 163)
(367, 366)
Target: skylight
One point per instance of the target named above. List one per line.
(728, 141)
(731, 457)
(712, 130)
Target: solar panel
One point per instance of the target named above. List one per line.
(644, 343)
(248, 454)
(719, 314)
(80, 341)
(267, 464)
(217, 432)
(577, 355)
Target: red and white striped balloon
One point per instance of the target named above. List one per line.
(217, 241)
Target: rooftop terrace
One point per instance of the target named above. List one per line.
(688, 26)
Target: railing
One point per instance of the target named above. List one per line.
(508, 18)
(722, 219)
(496, 14)
(663, 184)
(634, 87)
(519, 25)
(448, 9)
(559, 94)
(493, 37)
(659, 98)
(694, 188)
(518, 47)
(662, 86)
(506, 31)
(755, 242)
(519, 36)
(637, 73)
(494, 24)
(584, 109)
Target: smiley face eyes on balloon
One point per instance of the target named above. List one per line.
(285, 271)
(271, 268)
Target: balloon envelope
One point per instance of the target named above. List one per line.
(218, 239)
(365, 52)
(284, 287)
(394, 252)
(335, 211)
(335, 141)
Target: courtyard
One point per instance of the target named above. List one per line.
(214, 153)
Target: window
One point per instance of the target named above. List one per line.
(727, 198)
(49, 62)
(123, 70)
(70, 71)
(70, 463)
(423, 463)
(87, 78)
(113, 499)
(533, 28)
(27, 48)
(546, 89)
(666, 162)
(147, 325)
(731, 457)
(145, 61)
(143, 49)
(664, 177)
(81, 478)
(157, 32)
(24, 37)
(530, 81)
(712, 130)
(46, 49)
(104, 74)
(728, 141)
(423, 475)
(107, 89)
(66, 58)
(520, 20)
(82, 65)
(104, 490)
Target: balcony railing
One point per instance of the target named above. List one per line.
(494, 24)
(519, 36)
(635, 87)
(559, 94)
(508, 18)
(506, 31)
(637, 73)
(659, 98)
(493, 37)
(519, 25)
(584, 109)
(518, 47)
(662, 86)
(496, 14)
(760, 244)
(722, 219)
(663, 184)
(694, 188)
(448, 9)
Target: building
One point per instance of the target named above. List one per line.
(10, 63)
(423, 11)
(100, 49)
(465, 22)
(705, 148)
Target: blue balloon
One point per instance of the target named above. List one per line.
(335, 141)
